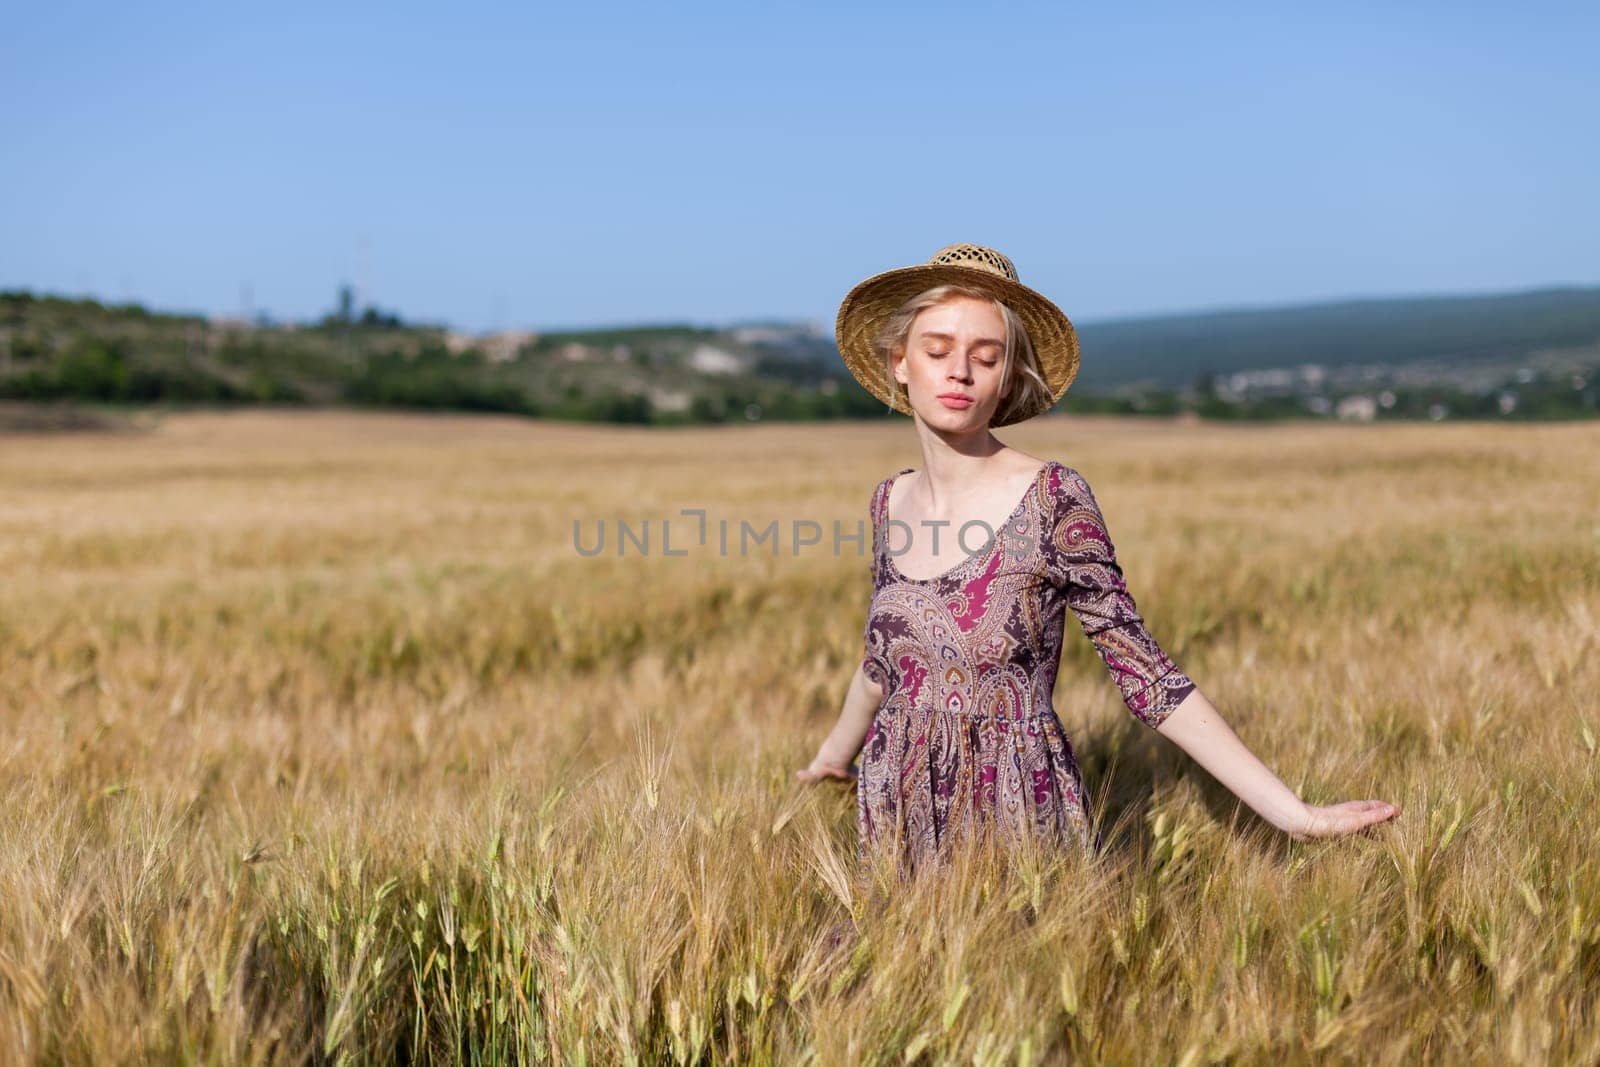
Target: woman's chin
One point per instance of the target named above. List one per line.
(943, 418)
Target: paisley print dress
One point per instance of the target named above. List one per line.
(966, 739)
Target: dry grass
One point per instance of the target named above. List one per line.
(322, 743)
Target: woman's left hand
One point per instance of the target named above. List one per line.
(1337, 820)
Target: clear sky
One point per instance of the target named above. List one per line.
(540, 165)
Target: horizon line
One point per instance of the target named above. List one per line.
(817, 324)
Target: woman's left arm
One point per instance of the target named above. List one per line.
(1197, 727)
(1082, 562)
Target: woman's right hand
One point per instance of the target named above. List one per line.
(821, 768)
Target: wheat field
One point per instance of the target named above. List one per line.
(323, 742)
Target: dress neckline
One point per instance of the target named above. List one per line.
(970, 559)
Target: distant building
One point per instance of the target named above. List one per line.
(710, 360)
(775, 332)
(503, 347)
(756, 334)
(666, 400)
(1360, 407)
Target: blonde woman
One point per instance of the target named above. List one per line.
(977, 557)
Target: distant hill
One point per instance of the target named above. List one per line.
(56, 349)
(1172, 349)
(1527, 352)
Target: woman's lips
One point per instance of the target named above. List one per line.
(959, 403)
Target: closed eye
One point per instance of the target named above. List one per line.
(981, 362)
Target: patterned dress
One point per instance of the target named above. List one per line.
(966, 739)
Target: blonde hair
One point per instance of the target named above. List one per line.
(1020, 365)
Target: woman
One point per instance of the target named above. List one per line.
(976, 557)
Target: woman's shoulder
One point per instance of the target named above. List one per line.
(880, 493)
(886, 483)
(1067, 480)
(1069, 502)
(1058, 480)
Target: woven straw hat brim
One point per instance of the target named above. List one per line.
(870, 304)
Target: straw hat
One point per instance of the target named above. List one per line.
(868, 306)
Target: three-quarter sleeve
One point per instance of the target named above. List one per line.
(1083, 564)
(869, 663)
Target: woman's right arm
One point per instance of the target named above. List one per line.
(863, 697)
(839, 748)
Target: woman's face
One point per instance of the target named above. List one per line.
(951, 366)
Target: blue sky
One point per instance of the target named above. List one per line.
(557, 165)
